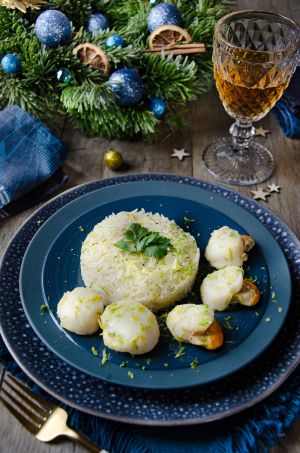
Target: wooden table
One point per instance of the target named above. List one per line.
(207, 120)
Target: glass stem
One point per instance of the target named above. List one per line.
(242, 134)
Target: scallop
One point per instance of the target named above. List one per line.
(79, 311)
(129, 327)
(187, 320)
(219, 287)
(226, 247)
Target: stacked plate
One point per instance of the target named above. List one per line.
(262, 346)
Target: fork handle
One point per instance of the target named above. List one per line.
(82, 440)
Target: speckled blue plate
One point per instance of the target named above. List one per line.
(51, 266)
(199, 404)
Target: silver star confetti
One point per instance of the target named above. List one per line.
(261, 131)
(259, 194)
(180, 153)
(274, 188)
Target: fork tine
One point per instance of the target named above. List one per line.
(41, 412)
(33, 417)
(33, 429)
(44, 404)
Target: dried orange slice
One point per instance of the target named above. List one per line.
(93, 56)
(168, 36)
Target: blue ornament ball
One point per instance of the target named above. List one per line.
(158, 107)
(64, 75)
(164, 14)
(10, 64)
(53, 28)
(97, 23)
(115, 40)
(128, 86)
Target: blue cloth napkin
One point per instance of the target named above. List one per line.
(29, 153)
(287, 110)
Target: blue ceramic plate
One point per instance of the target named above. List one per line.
(200, 404)
(51, 266)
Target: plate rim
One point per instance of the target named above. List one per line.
(190, 421)
(231, 361)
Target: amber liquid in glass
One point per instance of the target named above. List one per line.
(249, 103)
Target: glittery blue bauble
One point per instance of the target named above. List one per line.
(115, 40)
(128, 85)
(10, 64)
(97, 22)
(158, 107)
(53, 28)
(164, 14)
(64, 75)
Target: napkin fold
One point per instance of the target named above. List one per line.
(254, 430)
(30, 154)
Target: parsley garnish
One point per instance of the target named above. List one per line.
(94, 350)
(141, 240)
(123, 364)
(130, 374)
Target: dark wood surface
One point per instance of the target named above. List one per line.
(207, 120)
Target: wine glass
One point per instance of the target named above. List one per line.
(254, 57)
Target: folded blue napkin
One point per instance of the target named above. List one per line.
(287, 110)
(29, 154)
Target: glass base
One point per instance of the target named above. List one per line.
(242, 167)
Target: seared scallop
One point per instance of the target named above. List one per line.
(226, 286)
(79, 310)
(195, 324)
(218, 288)
(226, 247)
(129, 327)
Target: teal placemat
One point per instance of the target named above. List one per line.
(256, 429)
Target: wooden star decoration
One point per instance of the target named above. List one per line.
(261, 131)
(259, 194)
(180, 153)
(274, 188)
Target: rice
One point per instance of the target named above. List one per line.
(120, 276)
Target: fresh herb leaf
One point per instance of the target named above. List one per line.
(130, 374)
(126, 246)
(141, 240)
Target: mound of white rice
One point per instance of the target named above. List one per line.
(120, 276)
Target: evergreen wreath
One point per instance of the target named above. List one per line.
(85, 94)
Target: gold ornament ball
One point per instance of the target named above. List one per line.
(113, 159)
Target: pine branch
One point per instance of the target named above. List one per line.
(115, 122)
(15, 91)
(11, 23)
(173, 79)
(76, 10)
(87, 97)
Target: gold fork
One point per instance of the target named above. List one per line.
(44, 420)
